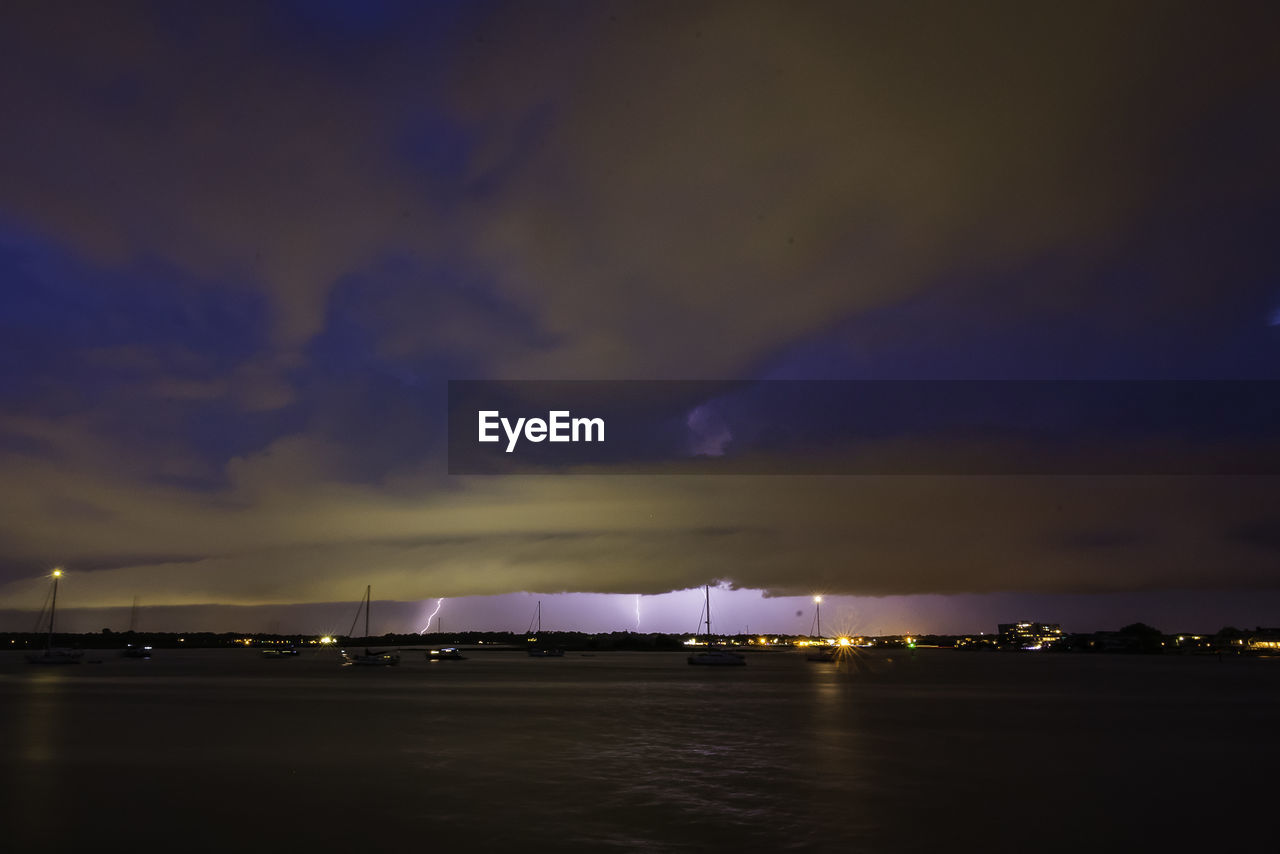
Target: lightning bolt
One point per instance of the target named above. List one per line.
(432, 616)
(637, 612)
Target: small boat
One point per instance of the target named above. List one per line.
(53, 655)
(370, 657)
(448, 653)
(541, 651)
(715, 656)
(276, 652)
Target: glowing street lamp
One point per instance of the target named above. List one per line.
(53, 608)
(817, 604)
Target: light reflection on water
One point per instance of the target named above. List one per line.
(36, 726)
(621, 751)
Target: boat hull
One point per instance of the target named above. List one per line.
(372, 659)
(56, 657)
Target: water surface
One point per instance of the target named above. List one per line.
(936, 750)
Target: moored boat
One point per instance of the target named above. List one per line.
(715, 656)
(822, 653)
(56, 655)
(370, 657)
(541, 651)
(53, 655)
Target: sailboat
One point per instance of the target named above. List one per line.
(52, 654)
(715, 656)
(541, 651)
(823, 653)
(368, 658)
(132, 650)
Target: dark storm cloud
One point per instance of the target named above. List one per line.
(1100, 539)
(243, 246)
(1263, 534)
(640, 176)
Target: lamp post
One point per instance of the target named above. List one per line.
(53, 608)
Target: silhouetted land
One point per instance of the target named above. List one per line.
(1134, 638)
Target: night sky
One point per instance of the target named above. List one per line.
(243, 248)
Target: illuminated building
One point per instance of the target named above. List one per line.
(1026, 635)
(1264, 641)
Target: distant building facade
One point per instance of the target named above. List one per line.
(1264, 640)
(1027, 635)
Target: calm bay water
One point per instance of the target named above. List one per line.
(932, 751)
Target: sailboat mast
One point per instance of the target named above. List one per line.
(539, 616)
(707, 590)
(368, 606)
